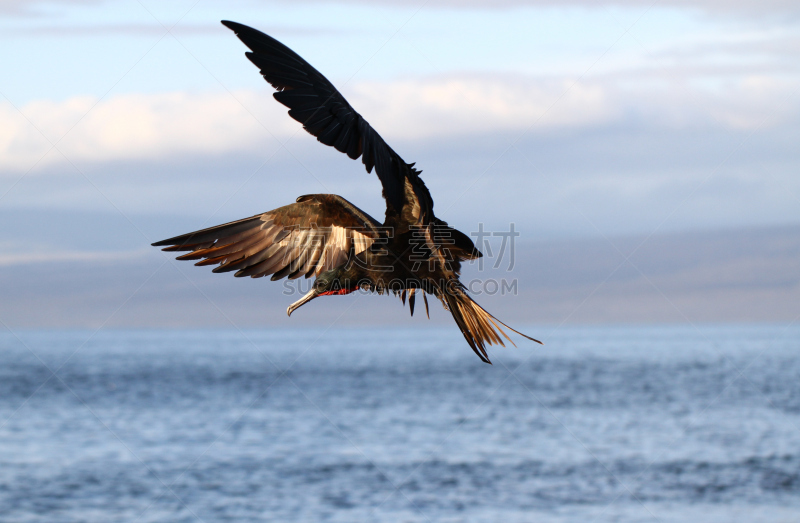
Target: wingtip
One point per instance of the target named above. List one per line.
(236, 27)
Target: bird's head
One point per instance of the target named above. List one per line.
(328, 283)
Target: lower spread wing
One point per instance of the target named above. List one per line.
(315, 234)
(314, 102)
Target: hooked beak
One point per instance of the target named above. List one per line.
(302, 301)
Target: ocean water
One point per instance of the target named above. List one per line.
(390, 425)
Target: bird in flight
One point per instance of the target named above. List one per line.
(412, 252)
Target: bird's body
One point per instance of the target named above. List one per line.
(412, 252)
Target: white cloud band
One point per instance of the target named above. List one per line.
(152, 126)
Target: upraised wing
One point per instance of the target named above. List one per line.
(314, 234)
(314, 102)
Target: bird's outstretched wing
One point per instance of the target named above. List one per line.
(314, 102)
(314, 234)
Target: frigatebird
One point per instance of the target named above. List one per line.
(324, 235)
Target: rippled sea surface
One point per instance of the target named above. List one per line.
(600, 424)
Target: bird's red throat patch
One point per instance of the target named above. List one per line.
(340, 292)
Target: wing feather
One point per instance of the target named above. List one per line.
(323, 111)
(315, 234)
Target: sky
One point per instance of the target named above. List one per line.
(125, 122)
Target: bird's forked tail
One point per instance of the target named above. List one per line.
(477, 325)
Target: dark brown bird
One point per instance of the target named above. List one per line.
(411, 253)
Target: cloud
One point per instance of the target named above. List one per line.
(134, 126)
(723, 5)
(31, 7)
(748, 7)
(735, 6)
(111, 29)
(154, 29)
(152, 126)
(468, 105)
(26, 258)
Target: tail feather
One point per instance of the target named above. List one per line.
(477, 325)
